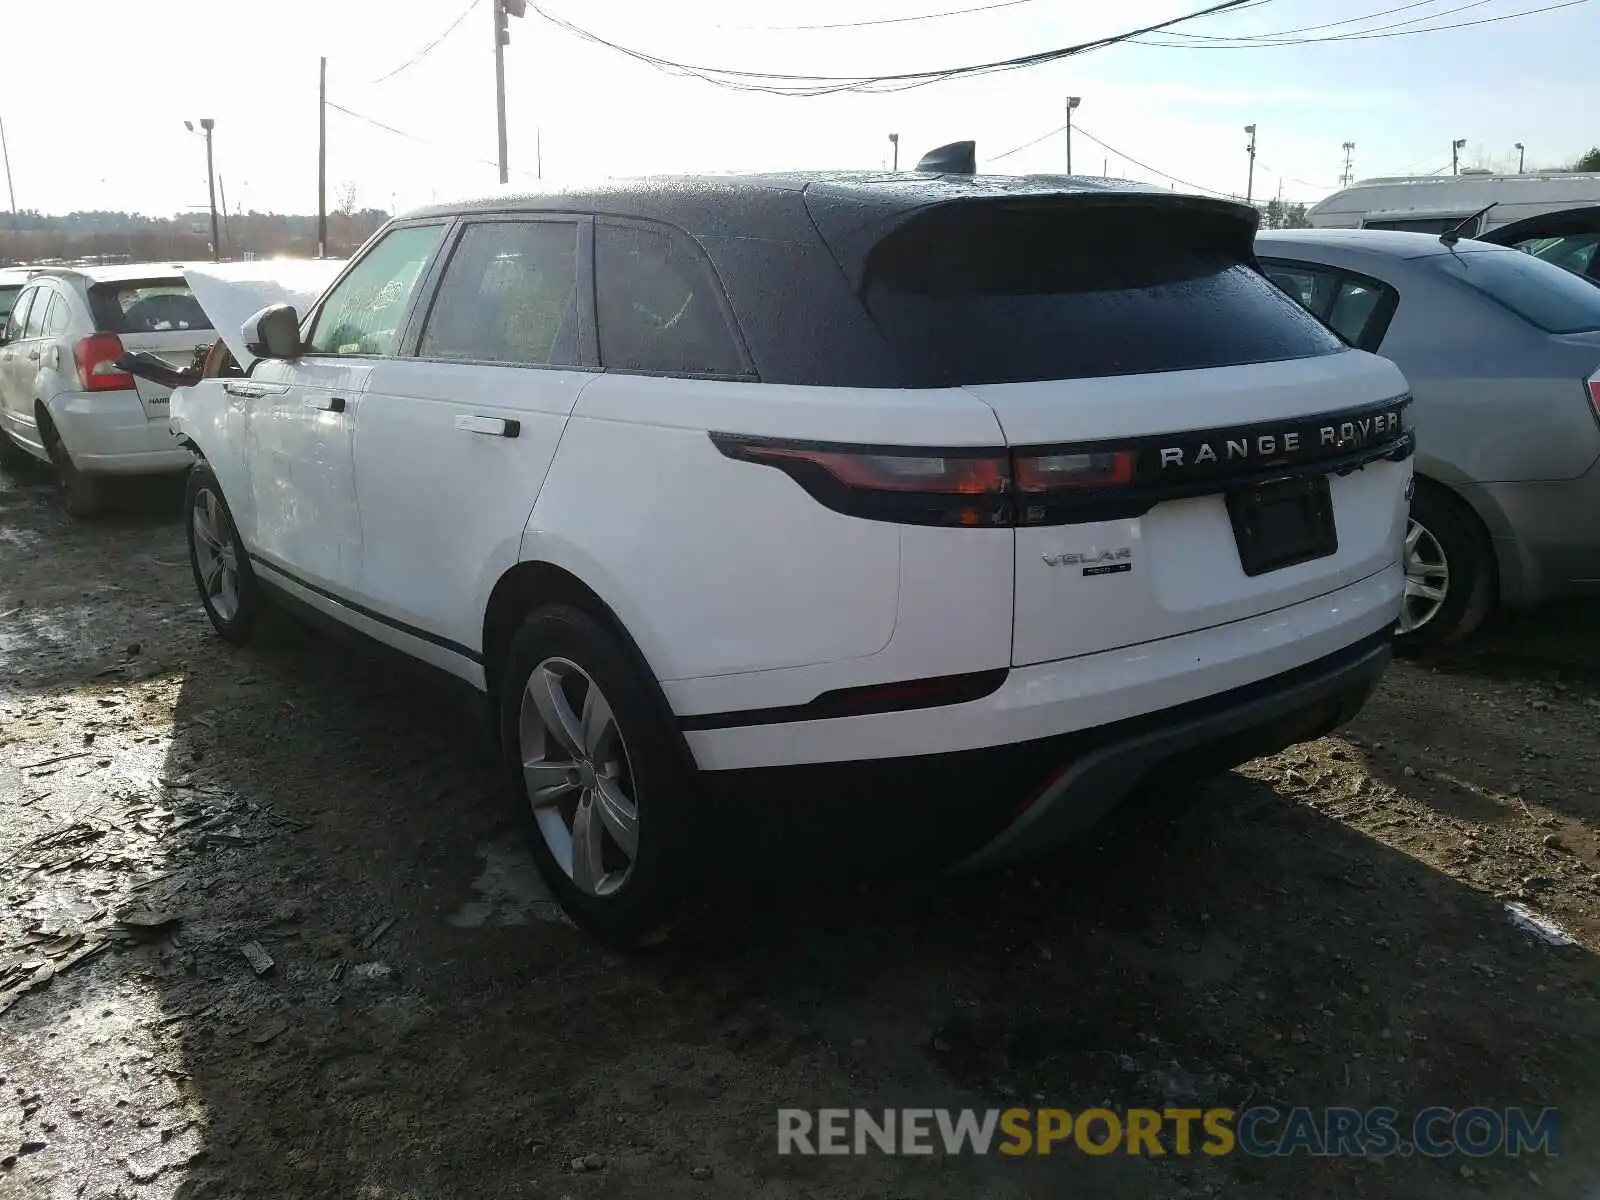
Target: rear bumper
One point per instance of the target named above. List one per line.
(980, 808)
(1076, 694)
(108, 432)
(1547, 544)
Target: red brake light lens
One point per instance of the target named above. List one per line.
(97, 363)
(1047, 472)
(902, 472)
(1594, 394)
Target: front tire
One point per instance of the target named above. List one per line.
(229, 590)
(1449, 573)
(602, 788)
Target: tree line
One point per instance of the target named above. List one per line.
(34, 237)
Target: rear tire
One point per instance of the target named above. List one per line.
(601, 786)
(1450, 583)
(229, 590)
(81, 495)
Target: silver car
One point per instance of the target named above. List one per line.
(1502, 351)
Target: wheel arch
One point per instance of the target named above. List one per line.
(1506, 568)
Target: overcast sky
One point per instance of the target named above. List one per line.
(95, 94)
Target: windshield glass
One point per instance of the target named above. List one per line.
(1542, 294)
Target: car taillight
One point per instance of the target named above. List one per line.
(97, 363)
(909, 486)
(1594, 395)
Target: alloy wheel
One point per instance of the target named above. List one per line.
(578, 776)
(1427, 578)
(214, 553)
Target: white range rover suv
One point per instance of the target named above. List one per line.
(777, 496)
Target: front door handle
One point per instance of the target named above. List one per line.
(325, 403)
(491, 426)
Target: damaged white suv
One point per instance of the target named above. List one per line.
(758, 498)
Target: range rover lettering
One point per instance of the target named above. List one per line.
(741, 497)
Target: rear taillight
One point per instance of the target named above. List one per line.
(908, 486)
(1594, 395)
(97, 363)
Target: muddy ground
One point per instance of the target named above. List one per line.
(266, 930)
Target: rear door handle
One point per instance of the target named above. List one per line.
(491, 426)
(33, 355)
(325, 403)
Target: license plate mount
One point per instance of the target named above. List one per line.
(1283, 523)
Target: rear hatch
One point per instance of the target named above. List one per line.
(158, 314)
(1189, 448)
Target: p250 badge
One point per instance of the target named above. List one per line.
(1094, 562)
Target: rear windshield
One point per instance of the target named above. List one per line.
(1012, 295)
(1541, 293)
(146, 306)
(8, 297)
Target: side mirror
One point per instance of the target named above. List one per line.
(274, 332)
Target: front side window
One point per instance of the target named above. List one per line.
(659, 306)
(34, 325)
(1576, 252)
(1545, 296)
(509, 295)
(17, 321)
(365, 313)
(8, 298)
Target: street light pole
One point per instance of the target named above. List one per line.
(894, 142)
(1250, 183)
(1455, 153)
(207, 125)
(1522, 158)
(1072, 103)
(502, 36)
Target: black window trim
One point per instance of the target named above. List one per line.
(433, 279)
(1382, 313)
(720, 296)
(309, 319)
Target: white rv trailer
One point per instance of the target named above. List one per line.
(1434, 203)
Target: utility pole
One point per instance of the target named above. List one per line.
(322, 161)
(1072, 103)
(1250, 183)
(206, 126)
(1522, 158)
(894, 143)
(538, 152)
(1455, 155)
(6, 151)
(1349, 175)
(502, 36)
(222, 191)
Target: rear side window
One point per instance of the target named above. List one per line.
(145, 306)
(1427, 225)
(56, 317)
(509, 295)
(659, 306)
(1010, 295)
(1554, 300)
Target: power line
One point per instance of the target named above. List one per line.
(779, 83)
(1385, 12)
(430, 47)
(1146, 166)
(377, 124)
(935, 16)
(1362, 36)
(1025, 145)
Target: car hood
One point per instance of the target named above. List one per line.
(232, 293)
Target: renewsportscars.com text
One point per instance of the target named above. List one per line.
(1261, 1131)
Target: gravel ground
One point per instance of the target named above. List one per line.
(267, 931)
